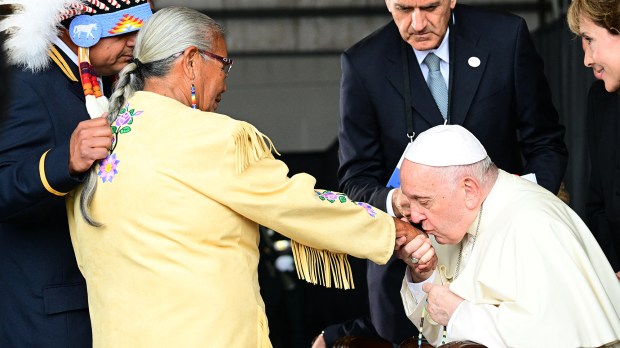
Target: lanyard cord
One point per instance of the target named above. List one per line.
(408, 112)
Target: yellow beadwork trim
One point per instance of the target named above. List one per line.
(47, 185)
(322, 266)
(62, 64)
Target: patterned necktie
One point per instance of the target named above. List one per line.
(436, 84)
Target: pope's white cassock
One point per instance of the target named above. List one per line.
(534, 277)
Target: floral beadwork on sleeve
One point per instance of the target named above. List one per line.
(332, 197)
(124, 119)
(122, 125)
(369, 208)
(107, 168)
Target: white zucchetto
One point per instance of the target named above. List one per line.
(446, 145)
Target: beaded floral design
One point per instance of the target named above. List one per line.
(332, 197)
(124, 120)
(369, 208)
(122, 125)
(107, 168)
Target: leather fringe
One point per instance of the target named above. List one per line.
(322, 267)
(252, 146)
(315, 266)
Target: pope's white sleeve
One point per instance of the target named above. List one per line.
(475, 322)
(388, 203)
(416, 288)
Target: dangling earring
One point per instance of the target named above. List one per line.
(193, 95)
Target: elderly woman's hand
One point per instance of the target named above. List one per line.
(405, 232)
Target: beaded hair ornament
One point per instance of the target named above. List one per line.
(34, 25)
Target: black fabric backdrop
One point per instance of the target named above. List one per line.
(570, 81)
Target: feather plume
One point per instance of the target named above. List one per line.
(31, 30)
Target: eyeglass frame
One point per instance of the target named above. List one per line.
(228, 62)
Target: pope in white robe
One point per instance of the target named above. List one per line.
(516, 266)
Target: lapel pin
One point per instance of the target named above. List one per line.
(474, 62)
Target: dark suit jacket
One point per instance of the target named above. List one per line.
(43, 300)
(603, 204)
(505, 102)
(5, 77)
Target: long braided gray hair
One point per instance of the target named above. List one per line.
(167, 33)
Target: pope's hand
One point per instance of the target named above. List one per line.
(419, 255)
(441, 302)
(405, 232)
(400, 205)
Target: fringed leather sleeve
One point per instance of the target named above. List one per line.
(313, 265)
(252, 146)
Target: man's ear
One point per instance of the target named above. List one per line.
(472, 190)
(64, 36)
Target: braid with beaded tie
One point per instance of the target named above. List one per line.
(34, 25)
(138, 63)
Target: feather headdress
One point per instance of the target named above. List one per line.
(30, 31)
(32, 26)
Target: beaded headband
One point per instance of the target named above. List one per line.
(102, 21)
(34, 24)
(105, 21)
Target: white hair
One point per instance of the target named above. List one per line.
(169, 31)
(482, 171)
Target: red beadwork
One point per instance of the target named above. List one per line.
(114, 3)
(99, 5)
(90, 84)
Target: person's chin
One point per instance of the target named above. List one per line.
(120, 64)
(217, 103)
(611, 85)
(422, 42)
(438, 239)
